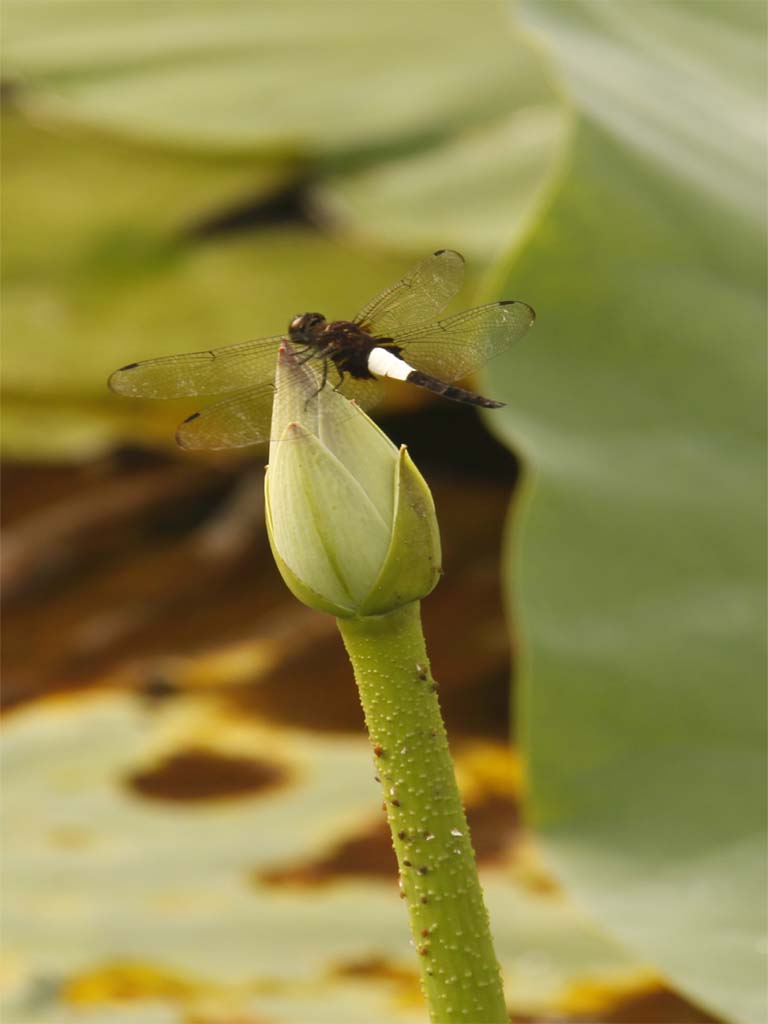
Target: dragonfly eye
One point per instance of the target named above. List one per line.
(303, 324)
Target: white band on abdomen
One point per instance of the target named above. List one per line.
(382, 363)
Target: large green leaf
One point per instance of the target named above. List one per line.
(457, 144)
(301, 76)
(638, 404)
(100, 268)
(479, 188)
(81, 203)
(151, 115)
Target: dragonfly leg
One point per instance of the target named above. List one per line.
(322, 383)
(314, 354)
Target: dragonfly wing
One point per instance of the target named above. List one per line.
(417, 298)
(239, 420)
(453, 348)
(218, 370)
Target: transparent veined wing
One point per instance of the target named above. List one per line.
(245, 418)
(457, 346)
(239, 420)
(218, 370)
(418, 297)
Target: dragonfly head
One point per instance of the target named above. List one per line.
(303, 329)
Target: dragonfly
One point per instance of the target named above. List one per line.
(397, 336)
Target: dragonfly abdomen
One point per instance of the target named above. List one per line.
(385, 363)
(439, 387)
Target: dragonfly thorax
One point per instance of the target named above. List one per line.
(343, 343)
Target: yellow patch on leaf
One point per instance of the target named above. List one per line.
(590, 995)
(129, 982)
(486, 767)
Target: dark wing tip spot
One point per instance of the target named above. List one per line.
(192, 417)
(516, 302)
(130, 366)
(449, 252)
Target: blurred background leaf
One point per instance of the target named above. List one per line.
(173, 134)
(299, 78)
(640, 412)
(260, 898)
(184, 176)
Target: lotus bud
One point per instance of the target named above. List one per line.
(350, 519)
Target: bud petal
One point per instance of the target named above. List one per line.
(411, 568)
(332, 537)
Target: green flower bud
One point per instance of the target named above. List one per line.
(350, 519)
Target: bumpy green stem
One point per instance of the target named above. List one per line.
(438, 874)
